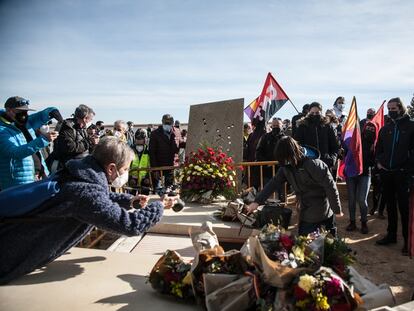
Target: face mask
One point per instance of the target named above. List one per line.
(275, 130)
(393, 114)
(370, 116)
(117, 134)
(315, 118)
(120, 180)
(139, 148)
(167, 128)
(340, 107)
(44, 129)
(21, 117)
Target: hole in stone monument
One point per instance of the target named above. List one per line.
(218, 131)
(229, 142)
(228, 137)
(206, 131)
(228, 127)
(204, 120)
(232, 125)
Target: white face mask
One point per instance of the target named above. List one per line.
(44, 129)
(139, 148)
(117, 134)
(167, 128)
(120, 180)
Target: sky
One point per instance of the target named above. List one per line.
(137, 60)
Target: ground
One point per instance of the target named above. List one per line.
(380, 264)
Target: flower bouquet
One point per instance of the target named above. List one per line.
(279, 256)
(207, 174)
(323, 290)
(172, 276)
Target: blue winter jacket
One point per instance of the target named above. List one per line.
(83, 201)
(16, 161)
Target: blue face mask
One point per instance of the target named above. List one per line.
(167, 128)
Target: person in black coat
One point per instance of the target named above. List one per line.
(73, 141)
(265, 151)
(312, 182)
(395, 159)
(314, 131)
(296, 118)
(84, 201)
(163, 149)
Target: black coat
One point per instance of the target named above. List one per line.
(395, 147)
(83, 201)
(314, 187)
(266, 147)
(162, 149)
(320, 136)
(72, 142)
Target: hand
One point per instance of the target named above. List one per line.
(340, 215)
(51, 136)
(56, 114)
(252, 207)
(169, 201)
(142, 200)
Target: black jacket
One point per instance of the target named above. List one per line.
(313, 185)
(162, 149)
(72, 142)
(266, 146)
(395, 147)
(320, 136)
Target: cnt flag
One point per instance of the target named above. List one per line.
(272, 98)
(351, 165)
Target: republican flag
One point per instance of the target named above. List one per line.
(351, 139)
(272, 98)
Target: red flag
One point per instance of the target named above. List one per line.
(272, 98)
(378, 121)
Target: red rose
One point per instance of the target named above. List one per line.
(341, 307)
(300, 294)
(287, 242)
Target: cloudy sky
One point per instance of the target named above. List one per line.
(136, 60)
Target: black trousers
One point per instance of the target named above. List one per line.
(396, 190)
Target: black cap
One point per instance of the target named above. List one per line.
(17, 102)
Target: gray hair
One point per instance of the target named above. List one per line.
(82, 111)
(112, 150)
(120, 122)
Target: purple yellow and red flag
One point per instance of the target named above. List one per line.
(272, 98)
(352, 164)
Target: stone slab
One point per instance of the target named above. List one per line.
(156, 245)
(193, 215)
(218, 124)
(86, 279)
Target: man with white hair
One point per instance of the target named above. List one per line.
(83, 201)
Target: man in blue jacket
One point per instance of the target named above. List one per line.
(20, 159)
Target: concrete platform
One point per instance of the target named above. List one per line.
(86, 279)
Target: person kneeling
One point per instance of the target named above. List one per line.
(84, 201)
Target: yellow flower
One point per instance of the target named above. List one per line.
(299, 253)
(322, 302)
(306, 282)
(187, 279)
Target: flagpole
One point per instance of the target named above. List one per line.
(294, 106)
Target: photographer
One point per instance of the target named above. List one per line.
(84, 201)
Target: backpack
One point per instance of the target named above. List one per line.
(22, 199)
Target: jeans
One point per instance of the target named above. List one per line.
(396, 189)
(358, 188)
(306, 227)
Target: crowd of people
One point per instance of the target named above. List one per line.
(85, 157)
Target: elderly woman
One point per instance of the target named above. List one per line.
(84, 201)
